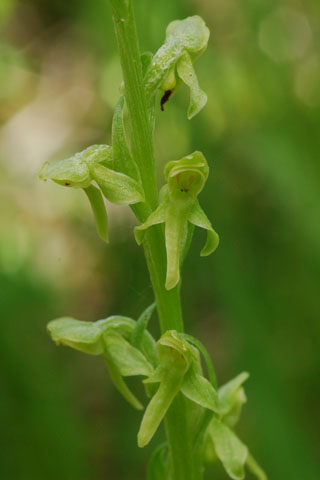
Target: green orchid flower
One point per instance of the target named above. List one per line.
(222, 442)
(112, 338)
(111, 168)
(179, 370)
(173, 62)
(178, 207)
(232, 398)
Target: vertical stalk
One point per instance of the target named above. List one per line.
(168, 302)
(141, 135)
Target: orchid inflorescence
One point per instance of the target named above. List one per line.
(171, 365)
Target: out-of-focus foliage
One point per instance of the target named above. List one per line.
(255, 303)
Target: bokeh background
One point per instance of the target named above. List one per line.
(254, 303)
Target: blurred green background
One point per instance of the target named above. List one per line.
(254, 303)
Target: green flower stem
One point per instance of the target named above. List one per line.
(168, 302)
(184, 463)
(142, 145)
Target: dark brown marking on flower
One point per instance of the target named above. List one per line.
(165, 97)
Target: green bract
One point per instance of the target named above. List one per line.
(178, 206)
(185, 41)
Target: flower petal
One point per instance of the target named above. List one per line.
(198, 217)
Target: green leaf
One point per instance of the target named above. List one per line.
(99, 211)
(141, 325)
(230, 450)
(128, 359)
(83, 336)
(228, 393)
(119, 382)
(198, 217)
(159, 465)
(199, 389)
(122, 158)
(116, 187)
(186, 72)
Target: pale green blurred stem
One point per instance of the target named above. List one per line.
(168, 302)
(255, 468)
